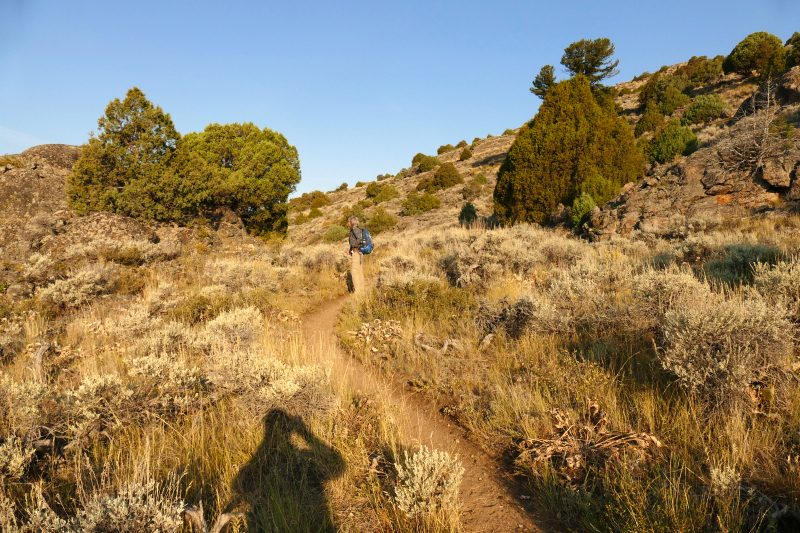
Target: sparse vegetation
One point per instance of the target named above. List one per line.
(472, 189)
(465, 154)
(445, 148)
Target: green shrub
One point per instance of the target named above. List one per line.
(428, 163)
(445, 148)
(381, 221)
(754, 53)
(652, 120)
(382, 177)
(793, 53)
(476, 140)
(580, 207)
(308, 200)
(468, 215)
(360, 183)
(402, 174)
(672, 141)
(373, 189)
(130, 256)
(461, 144)
(481, 178)
(388, 192)
(335, 233)
(671, 99)
(700, 70)
(417, 158)
(140, 166)
(342, 187)
(416, 204)
(301, 219)
(465, 154)
(508, 131)
(445, 177)
(643, 76)
(549, 160)
(735, 263)
(472, 189)
(7, 160)
(320, 201)
(665, 91)
(704, 108)
(314, 213)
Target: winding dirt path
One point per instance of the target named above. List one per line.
(491, 498)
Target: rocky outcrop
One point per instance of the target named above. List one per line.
(782, 91)
(694, 188)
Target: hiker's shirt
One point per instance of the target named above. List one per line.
(355, 237)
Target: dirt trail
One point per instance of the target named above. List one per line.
(491, 498)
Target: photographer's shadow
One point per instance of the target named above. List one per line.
(284, 483)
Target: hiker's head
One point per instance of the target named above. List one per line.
(352, 222)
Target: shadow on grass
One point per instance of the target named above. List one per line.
(283, 484)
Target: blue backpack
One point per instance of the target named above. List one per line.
(366, 242)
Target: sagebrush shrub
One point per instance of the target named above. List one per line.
(718, 352)
(14, 458)
(738, 260)
(81, 287)
(428, 482)
(238, 326)
(780, 283)
(472, 189)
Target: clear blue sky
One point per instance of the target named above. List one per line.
(357, 87)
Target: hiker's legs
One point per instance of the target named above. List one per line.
(357, 272)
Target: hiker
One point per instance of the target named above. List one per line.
(355, 278)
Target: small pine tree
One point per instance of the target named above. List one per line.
(465, 154)
(416, 204)
(381, 221)
(651, 120)
(543, 81)
(428, 163)
(581, 206)
(672, 141)
(591, 58)
(468, 215)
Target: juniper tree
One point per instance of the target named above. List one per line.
(134, 146)
(572, 145)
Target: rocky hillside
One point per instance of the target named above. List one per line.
(488, 155)
(700, 187)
